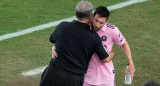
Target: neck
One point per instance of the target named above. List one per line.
(83, 21)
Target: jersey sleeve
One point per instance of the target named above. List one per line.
(55, 33)
(99, 49)
(118, 37)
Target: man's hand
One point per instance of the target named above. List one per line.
(130, 69)
(112, 54)
(127, 52)
(54, 53)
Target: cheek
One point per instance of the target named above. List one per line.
(94, 23)
(101, 25)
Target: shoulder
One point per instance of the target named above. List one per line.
(112, 27)
(64, 23)
(95, 35)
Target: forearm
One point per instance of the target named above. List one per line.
(127, 52)
(110, 57)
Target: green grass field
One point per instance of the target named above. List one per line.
(139, 23)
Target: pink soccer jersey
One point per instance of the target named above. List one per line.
(102, 72)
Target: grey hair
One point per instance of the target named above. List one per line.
(84, 10)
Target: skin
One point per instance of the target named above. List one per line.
(98, 22)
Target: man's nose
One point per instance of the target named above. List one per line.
(97, 25)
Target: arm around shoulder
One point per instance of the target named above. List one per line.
(110, 57)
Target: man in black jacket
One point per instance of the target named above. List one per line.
(75, 43)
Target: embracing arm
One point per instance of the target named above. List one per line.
(110, 57)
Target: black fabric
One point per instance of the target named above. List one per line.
(53, 76)
(75, 44)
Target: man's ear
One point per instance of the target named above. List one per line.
(91, 16)
(106, 19)
(75, 13)
(91, 19)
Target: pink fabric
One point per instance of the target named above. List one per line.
(101, 72)
(109, 84)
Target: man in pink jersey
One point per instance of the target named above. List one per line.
(101, 73)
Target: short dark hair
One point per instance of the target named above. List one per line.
(102, 12)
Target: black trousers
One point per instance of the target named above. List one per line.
(54, 76)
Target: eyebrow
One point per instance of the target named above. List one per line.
(99, 21)
(102, 22)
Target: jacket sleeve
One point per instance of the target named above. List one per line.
(55, 33)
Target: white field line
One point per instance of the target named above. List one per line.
(40, 27)
(54, 23)
(32, 29)
(34, 71)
